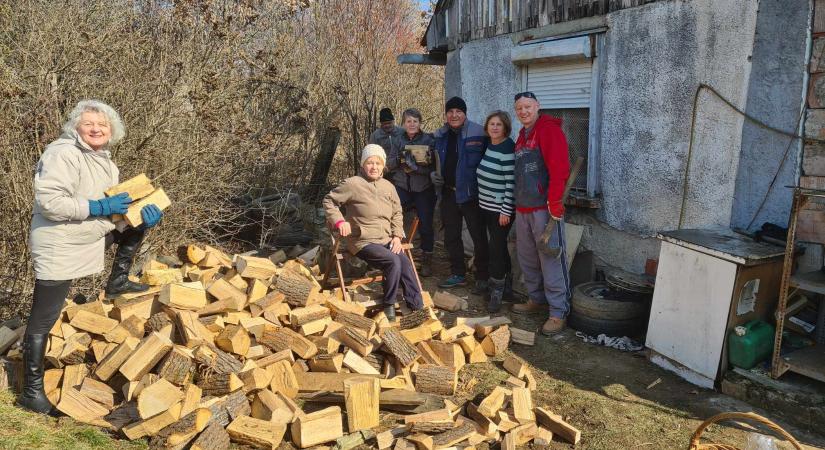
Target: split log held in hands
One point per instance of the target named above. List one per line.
(157, 197)
(136, 187)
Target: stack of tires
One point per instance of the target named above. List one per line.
(596, 309)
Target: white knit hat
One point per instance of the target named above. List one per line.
(373, 150)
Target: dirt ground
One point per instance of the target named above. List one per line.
(604, 392)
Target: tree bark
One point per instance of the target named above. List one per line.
(214, 437)
(295, 287)
(355, 321)
(436, 379)
(177, 368)
(415, 319)
(400, 347)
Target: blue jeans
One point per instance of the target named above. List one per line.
(424, 203)
(397, 271)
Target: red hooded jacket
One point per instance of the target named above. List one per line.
(548, 136)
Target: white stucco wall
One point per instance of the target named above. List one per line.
(654, 58)
(488, 78)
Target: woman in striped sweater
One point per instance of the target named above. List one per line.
(495, 197)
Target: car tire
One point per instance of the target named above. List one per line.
(593, 314)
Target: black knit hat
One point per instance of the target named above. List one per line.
(385, 115)
(457, 103)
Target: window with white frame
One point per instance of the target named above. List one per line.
(564, 75)
(563, 90)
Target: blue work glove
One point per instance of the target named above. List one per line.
(151, 215)
(117, 204)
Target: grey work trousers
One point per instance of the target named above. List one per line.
(546, 278)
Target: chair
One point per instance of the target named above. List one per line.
(337, 254)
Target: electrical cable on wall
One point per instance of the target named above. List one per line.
(794, 136)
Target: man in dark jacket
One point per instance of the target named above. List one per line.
(541, 172)
(459, 145)
(387, 134)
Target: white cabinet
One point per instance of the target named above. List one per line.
(707, 283)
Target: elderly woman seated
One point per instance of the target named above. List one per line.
(374, 226)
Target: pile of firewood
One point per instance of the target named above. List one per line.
(225, 348)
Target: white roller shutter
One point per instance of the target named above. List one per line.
(560, 85)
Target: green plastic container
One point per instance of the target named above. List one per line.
(750, 344)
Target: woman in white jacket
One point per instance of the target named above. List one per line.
(71, 228)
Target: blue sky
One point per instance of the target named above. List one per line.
(423, 4)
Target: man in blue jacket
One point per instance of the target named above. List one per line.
(460, 146)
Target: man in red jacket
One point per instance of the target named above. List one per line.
(541, 172)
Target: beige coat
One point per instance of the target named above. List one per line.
(65, 242)
(373, 211)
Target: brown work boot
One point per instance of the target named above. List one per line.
(553, 326)
(528, 307)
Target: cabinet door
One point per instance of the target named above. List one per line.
(689, 314)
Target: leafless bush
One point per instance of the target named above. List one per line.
(225, 103)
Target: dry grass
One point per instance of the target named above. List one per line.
(20, 429)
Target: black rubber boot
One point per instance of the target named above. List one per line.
(426, 264)
(389, 311)
(496, 294)
(119, 282)
(32, 396)
(508, 288)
